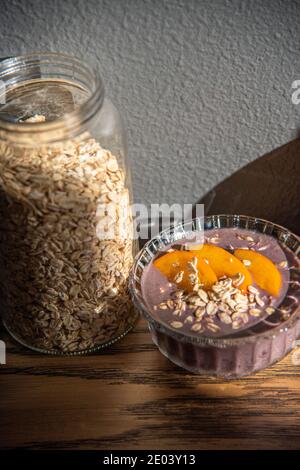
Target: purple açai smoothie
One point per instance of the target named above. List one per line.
(232, 337)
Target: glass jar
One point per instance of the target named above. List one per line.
(66, 244)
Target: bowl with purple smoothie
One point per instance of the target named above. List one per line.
(221, 294)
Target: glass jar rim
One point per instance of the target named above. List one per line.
(70, 124)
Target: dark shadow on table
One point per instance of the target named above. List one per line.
(268, 187)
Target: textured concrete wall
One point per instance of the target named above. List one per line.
(205, 85)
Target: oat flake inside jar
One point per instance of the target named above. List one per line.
(66, 242)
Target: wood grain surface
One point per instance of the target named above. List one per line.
(131, 397)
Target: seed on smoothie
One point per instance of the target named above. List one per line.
(179, 276)
(176, 324)
(199, 313)
(253, 290)
(203, 295)
(238, 279)
(163, 306)
(270, 310)
(236, 324)
(225, 318)
(189, 319)
(213, 327)
(244, 317)
(197, 327)
(255, 312)
(211, 308)
(263, 248)
(178, 294)
(259, 301)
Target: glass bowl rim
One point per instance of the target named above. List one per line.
(209, 340)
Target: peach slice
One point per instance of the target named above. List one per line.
(172, 263)
(223, 263)
(264, 272)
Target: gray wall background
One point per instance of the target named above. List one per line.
(205, 86)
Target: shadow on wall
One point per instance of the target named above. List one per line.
(268, 188)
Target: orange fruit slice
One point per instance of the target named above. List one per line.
(175, 262)
(264, 272)
(223, 263)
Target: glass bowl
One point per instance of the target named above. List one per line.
(227, 357)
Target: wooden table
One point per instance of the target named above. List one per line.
(131, 397)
